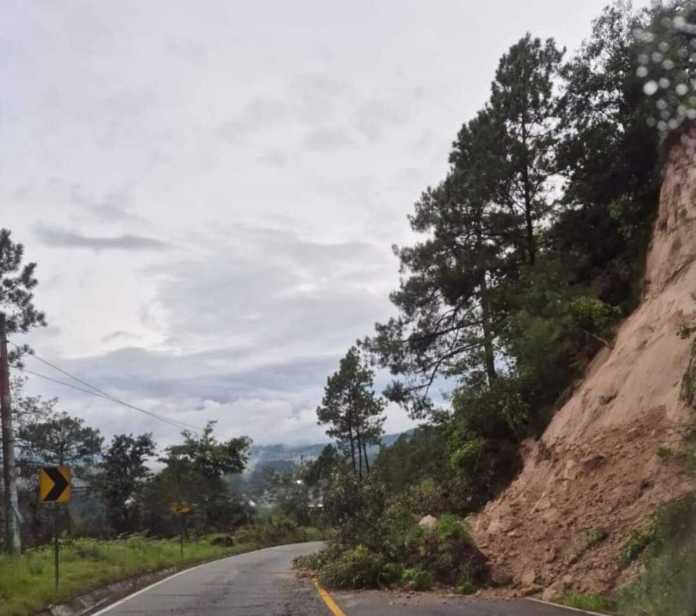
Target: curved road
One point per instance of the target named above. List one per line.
(262, 584)
(255, 584)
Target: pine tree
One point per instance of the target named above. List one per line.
(352, 411)
(452, 298)
(523, 104)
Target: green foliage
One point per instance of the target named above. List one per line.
(685, 330)
(665, 453)
(417, 579)
(594, 537)
(197, 471)
(665, 586)
(60, 439)
(355, 568)
(465, 586)
(274, 531)
(412, 458)
(355, 508)
(638, 540)
(352, 411)
(26, 582)
(588, 601)
(17, 283)
(314, 562)
(688, 389)
(391, 575)
(123, 472)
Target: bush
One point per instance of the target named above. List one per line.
(465, 587)
(589, 602)
(391, 574)
(356, 568)
(638, 540)
(314, 562)
(417, 579)
(448, 553)
(274, 531)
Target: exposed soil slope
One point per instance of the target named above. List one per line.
(596, 466)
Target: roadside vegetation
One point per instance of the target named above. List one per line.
(132, 501)
(529, 253)
(27, 582)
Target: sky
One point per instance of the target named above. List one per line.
(212, 189)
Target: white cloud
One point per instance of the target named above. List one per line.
(276, 158)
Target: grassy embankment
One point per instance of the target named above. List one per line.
(27, 582)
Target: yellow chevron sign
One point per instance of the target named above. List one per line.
(181, 507)
(55, 484)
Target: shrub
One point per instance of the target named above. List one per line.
(637, 541)
(356, 568)
(392, 574)
(465, 587)
(590, 602)
(274, 531)
(417, 579)
(314, 562)
(448, 553)
(664, 453)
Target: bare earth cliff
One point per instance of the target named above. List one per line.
(596, 466)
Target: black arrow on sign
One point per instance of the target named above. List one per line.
(59, 483)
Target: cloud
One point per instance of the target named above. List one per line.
(327, 139)
(61, 238)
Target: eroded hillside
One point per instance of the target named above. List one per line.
(596, 470)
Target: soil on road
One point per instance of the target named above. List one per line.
(262, 583)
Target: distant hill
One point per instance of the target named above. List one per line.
(263, 454)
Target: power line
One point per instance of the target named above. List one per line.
(64, 383)
(171, 422)
(100, 393)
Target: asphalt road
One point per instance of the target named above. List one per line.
(262, 584)
(375, 603)
(255, 584)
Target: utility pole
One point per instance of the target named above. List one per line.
(13, 540)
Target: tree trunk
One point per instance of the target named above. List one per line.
(352, 453)
(488, 350)
(360, 459)
(531, 250)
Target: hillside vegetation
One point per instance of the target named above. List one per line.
(532, 255)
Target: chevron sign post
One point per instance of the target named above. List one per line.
(55, 484)
(55, 488)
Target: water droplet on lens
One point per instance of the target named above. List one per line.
(664, 83)
(650, 87)
(642, 71)
(682, 89)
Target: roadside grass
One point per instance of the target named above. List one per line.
(27, 582)
(590, 602)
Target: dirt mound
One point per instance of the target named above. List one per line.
(595, 475)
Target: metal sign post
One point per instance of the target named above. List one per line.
(55, 488)
(180, 509)
(56, 546)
